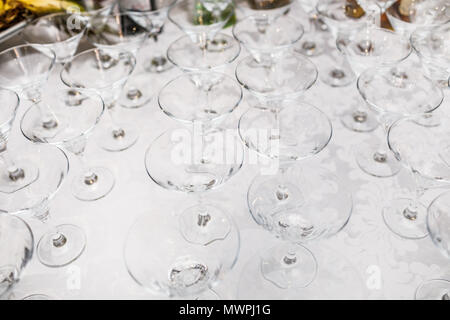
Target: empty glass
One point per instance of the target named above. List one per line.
(16, 250)
(151, 15)
(432, 45)
(63, 243)
(60, 32)
(107, 73)
(78, 112)
(176, 267)
(365, 48)
(120, 33)
(15, 174)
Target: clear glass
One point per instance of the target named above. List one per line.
(432, 45)
(16, 250)
(15, 174)
(78, 113)
(435, 289)
(151, 15)
(64, 243)
(393, 92)
(106, 72)
(60, 32)
(438, 223)
(268, 38)
(120, 33)
(420, 143)
(190, 53)
(176, 268)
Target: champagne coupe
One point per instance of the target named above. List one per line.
(268, 38)
(432, 45)
(204, 19)
(340, 21)
(119, 32)
(421, 144)
(407, 16)
(19, 173)
(190, 53)
(16, 250)
(107, 73)
(364, 48)
(203, 154)
(438, 226)
(60, 32)
(151, 15)
(64, 243)
(80, 111)
(392, 93)
(295, 212)
(177, 268)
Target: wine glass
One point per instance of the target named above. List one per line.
(119, 32)
(64, 243)
(60, 32)
(432, 45)
(392, 93)
(434, 289)
(364, 48)
(79, 111)
(107, 73)
(175, 267)
(420, 143)
(340, 20)
(151, 15)
(16, 250)
(268, 38)
(191, 53)
(201, 18)
(15, 173)
(297, 213)
(407, 17)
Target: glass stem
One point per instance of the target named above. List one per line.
(90, 177)
(117, 131)
(14, 173)
(49, 119)
(203, 215)
(291, 257)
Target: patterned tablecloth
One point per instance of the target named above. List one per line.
(365, 260)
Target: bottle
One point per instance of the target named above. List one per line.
(406, 9)
(268, 4)
(207, 11)
(353, 9)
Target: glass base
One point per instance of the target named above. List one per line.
(436, 289)
(94, 187)
(118, 139)
(25, 175)
(377, 162)
(204, 224)
(289, 266)
(158, 64)
(337, 76)
(359, 121)
(37, 297)
(137, 92)
(62, 246)
(406, 224)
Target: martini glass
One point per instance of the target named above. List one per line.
(268, 38)
(432, 45)
(202, 19)
(177, 268)
(120, 33)
(80, 111)
(190, 53)
(419, 13)
(296, 212)
(202, 155)
(365, 48)
(64, 243)
(16, 250)
(15, 174)
(334, 14)
(421, 144)
(107, 73)
(151, 15)
(392, 93)
(60, 32)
